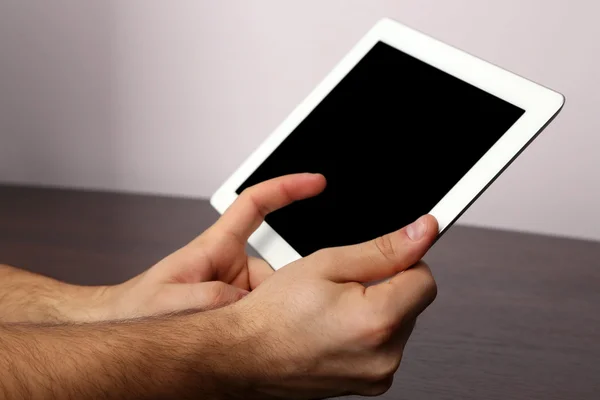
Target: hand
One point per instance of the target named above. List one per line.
(214, 269)
(316, 331)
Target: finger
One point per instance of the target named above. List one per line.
(258, 271)
(250, 208)
(406, 295)
(203, 296)
(379, 258)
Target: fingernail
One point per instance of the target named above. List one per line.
(417, 229)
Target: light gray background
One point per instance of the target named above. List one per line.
(169, 97)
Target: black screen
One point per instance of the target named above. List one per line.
(392, 138)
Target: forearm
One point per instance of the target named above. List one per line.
(29, 297)
(177, 357)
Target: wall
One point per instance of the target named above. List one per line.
(170, 96)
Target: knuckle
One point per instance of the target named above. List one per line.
(386, 368)
(246, 193)
(385, 246)
(325, 256)
(381, 376)
(249, 196)
(382, 386)
(284, 193)
(428, 283)
(380, 330)
(217, 292)
(390, 367)
(431, 288)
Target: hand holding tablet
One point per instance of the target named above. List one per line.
(403, 126)
(314, 331)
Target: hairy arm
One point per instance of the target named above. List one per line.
(184, 356)
(29, 297)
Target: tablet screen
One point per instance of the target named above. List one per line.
(392, 138)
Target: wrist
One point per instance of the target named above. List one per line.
(227, 349)
(29, 297)
(85, 304)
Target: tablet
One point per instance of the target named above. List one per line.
(404, 125)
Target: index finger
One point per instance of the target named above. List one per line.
(248, 211)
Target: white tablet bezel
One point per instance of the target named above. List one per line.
(540, 104)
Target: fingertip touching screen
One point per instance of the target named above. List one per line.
(392, 138)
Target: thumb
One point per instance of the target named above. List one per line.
(205, 295)
(379, 258)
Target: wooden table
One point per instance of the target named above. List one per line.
(517, 315)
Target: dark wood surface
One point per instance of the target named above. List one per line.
(517, 315)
